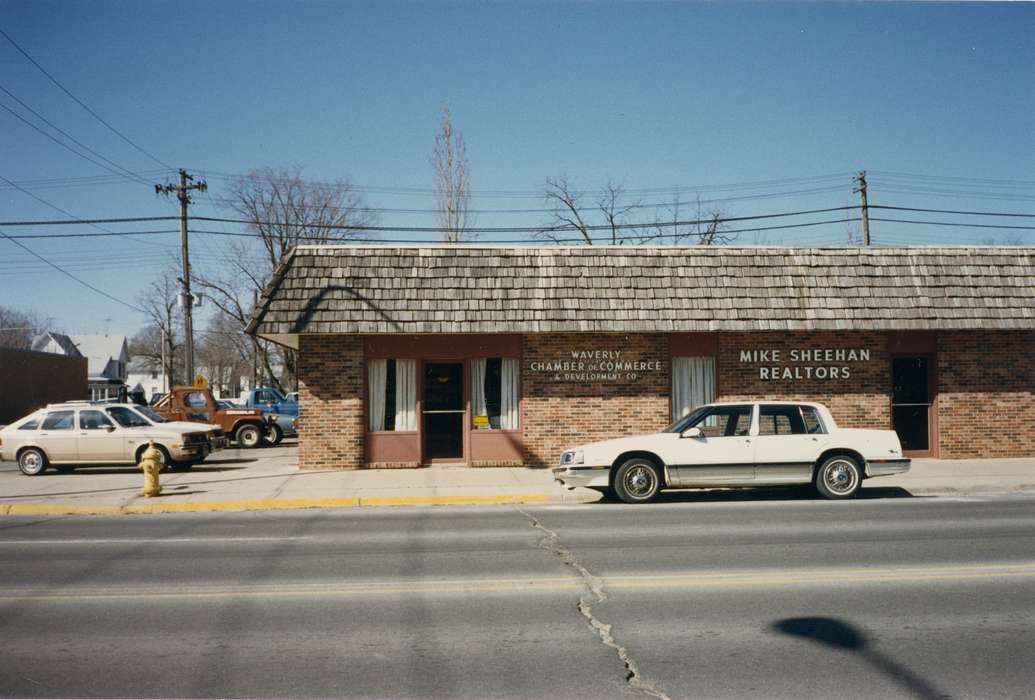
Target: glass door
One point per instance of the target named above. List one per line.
(443, 411)
(911, 402)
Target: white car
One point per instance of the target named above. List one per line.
(746, 443)
(80, 433)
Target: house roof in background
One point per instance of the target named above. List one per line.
(488, 289)
(99, 350)
(63, 341)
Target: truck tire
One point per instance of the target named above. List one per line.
(248, 436)
(273, 435)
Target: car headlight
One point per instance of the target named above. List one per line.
(273, 417)
(572, 457)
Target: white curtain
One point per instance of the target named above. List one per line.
(478, 386)
(377, 378)
(693, 383)
(405, 394)
(509, 394)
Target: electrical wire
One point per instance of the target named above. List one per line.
(67, 213)
(82, 104)
(128, 173)
(70, 275)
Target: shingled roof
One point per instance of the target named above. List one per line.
(488, 289)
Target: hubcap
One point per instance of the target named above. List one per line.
(840, 477)
(640, 481)
(31, 461)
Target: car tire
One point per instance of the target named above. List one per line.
(32, 461)
(164, 458)
(637, 480)
(838, 477)
(273, 435)
(248, 436)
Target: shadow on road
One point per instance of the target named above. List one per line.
(780, 493)
(833, 633)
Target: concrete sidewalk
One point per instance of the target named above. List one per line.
(270, 479)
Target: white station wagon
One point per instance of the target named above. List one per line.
(81, 433)
(726, 445)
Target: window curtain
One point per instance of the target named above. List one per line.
(693, 383)
(377, 380)
(405, 394)
(509, 394)
(478, 407)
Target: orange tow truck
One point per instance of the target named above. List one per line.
(247, 426)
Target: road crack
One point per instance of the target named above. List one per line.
(596, 595)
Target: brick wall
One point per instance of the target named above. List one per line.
(559, 414)
(986, 394)
(860, 401)
(30, 380)
(330, 396)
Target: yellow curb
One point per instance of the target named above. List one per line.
(269, 504)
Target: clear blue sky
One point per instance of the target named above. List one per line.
(649, 95)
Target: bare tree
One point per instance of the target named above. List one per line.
(18, 328)
(159, 300)
(283, 210)
(569, 215)
(452, 181)
(226, 353)
(707, 226)
(613, 211)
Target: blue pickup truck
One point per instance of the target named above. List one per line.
(271, 402)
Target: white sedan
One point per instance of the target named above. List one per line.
(726, 445)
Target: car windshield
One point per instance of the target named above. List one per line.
(126, 417)
(150, 414)
(686, 421)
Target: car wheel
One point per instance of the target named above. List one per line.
(248, 436)
(637, 481)
(273, 435)
(32, 461)
(838, 477)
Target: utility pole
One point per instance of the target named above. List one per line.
(861, 189)
(182, 191)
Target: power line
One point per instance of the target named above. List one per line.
(956, 225)
(57, 208)
(129, 174)
(60, 142)
(82, 104)
(69, 274)
(953, 211)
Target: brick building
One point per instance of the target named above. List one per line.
(491, 356)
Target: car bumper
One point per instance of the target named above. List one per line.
(591, 477)
(886, 467)
(191, 453)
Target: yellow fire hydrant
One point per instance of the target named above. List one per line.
(151, 463)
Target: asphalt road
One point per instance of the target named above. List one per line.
(896, 597)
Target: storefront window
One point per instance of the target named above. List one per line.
(494, 393)
(392, 395)
(693, 383)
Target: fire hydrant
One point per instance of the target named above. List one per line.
(151, 463)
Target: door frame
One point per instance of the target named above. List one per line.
(932, 397)
(465, 416)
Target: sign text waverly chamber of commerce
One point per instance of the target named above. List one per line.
(596, 365)
(805, 363)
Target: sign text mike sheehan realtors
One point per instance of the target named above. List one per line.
(810, 363)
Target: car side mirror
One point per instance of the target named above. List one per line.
(692, 433)
(110, 428)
